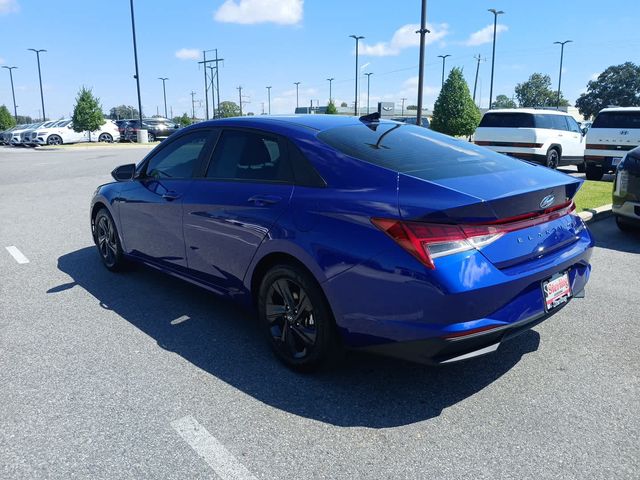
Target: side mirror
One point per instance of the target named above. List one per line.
(124, 173)
(584, 130)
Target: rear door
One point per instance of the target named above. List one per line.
(150, 206)
(231, 208)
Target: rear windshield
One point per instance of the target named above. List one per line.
(507, 120)
(617, 120)
(416, 151)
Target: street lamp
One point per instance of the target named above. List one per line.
(562, 44)
(164, 93)
(330, 80)
(269, 98)
(423, 31)
(15, 108)
(40, 77)
(297, 84)
(368, 87)
(135, 56)
(493, 55)
(357, 38)
(443, 57)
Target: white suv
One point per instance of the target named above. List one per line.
(549, 137)
(62, 132)
(613, 133)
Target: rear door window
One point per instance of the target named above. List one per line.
(617, 120)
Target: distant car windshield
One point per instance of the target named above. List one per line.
(617, 120)
(416, 151)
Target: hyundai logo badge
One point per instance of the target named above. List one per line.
(547, 201)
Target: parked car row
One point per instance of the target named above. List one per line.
(57, 132)
(554, 138)
(157, 129)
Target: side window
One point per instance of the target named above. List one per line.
(558, 122)
(244, 155)
(179, 158)
(572, 125)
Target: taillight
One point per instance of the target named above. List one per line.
(428, 241)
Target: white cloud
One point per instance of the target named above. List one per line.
(404, 37)
(283, 12)
(188, 54)
(484, 35)
(8, 6)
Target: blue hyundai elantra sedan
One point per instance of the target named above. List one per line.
(352, 232)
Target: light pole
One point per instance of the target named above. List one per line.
(330, 80)
(269, 98)
(135, 56)
(493, 55)
(423, 31)
(40, 78)
(240, 98)
(402, 111)
(15, 108)
(368, 89)
(357, 39)
(297, 84)
(444, 58)
(164, 94)
(475, 83)
(562, 44)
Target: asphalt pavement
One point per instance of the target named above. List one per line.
(139, 375)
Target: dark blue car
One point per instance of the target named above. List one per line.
(352, 232)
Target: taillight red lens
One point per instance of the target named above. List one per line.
(428, 241)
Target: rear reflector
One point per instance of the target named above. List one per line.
(428, 241)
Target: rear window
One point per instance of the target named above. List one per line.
(507, 120)
(617, 120)
(416, 151)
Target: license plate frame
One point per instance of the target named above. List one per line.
(556, 290)
(615, 161)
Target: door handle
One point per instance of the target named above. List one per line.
(263, 200)
(171, 196)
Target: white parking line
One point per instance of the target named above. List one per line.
(223, 463)
(17, 254)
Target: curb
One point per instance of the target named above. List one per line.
(595, 214)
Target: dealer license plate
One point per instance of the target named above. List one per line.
(615, 161)
(556, 291)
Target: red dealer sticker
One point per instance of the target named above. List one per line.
(556, 290)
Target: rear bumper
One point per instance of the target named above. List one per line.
(630, 210)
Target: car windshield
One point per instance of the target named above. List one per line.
(416, 151)
(617, 120)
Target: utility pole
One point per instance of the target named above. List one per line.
(357, 38)
(205, 63)
(493, 55)
(213, 98)
(368, 89)
(402, 114)
(444, 58)
(562, 44)
(262, 103)
(13, 94)
(475, 83)
(423, 31)
(193, 105)
(330, 80)
(135, 56)
(269, 98)
(206, 86)
(164, 93)
(297, 84)
(240, 97)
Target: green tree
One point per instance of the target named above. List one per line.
(123, 111)
(229, 109)
(536, 92)
(331, 108)
(454, 112)
(344, 104)
(87, 112)
(6, 119)
(182, 120)
(502, 101)
(618, 85)
(24, 119)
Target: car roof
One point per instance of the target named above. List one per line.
(620, 109)
(317, 122)
(527, 110)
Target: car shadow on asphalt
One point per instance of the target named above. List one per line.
(609, 236)
(223, 340)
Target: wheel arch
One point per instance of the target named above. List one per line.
(555, 146)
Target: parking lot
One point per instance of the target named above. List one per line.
(138, 375)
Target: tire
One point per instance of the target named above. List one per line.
(553, 158)
(593, 172)
(296, 318)
(107, 241)
(105, 137)
(54, 140)
(151, 137)
(582, 167)
(624, 226)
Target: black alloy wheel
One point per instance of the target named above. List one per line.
(107, 241)
(553, 158)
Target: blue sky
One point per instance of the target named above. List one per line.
(278, 42)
